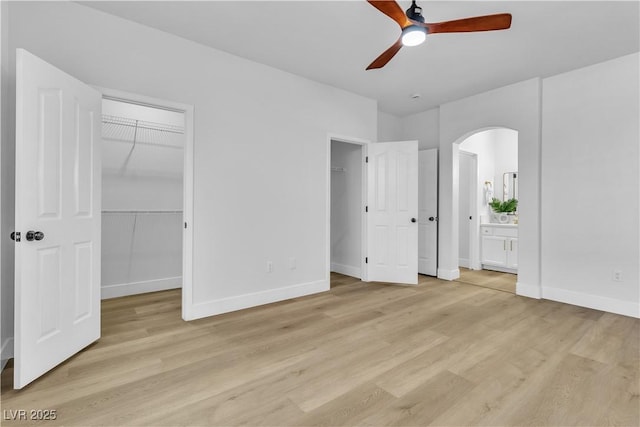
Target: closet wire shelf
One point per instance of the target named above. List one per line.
(141, 131)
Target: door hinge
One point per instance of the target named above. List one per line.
(366, 159)
(366, 260)
(366, 208)
(185, 225)
(15, 235)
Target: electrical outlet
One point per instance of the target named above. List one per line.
(292, 263)
(617, 275)
(269, 267)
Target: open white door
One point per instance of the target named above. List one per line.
(57, 253)
(393, 210)
(428, 215)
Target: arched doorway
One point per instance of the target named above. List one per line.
(487, 243)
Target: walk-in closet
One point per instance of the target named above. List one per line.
(142, 198)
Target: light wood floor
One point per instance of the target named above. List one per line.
(441, 353)
(489, 279)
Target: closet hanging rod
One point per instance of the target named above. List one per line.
(140, 212)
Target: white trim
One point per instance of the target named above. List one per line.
(363, 251)
(473, 262)
(529, 291)
(6, 352)
(347, 270)
(597, 302)
(225, 305)
(124, 289)
(500, 269)
(188, 173)
(448, 274)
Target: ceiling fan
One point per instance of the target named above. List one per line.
(415, 30)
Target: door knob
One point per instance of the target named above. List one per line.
(413, 220)
(431, 218)
(34, 235)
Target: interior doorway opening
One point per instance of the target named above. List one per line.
(142, 198)
(487, 222)
(347, 205)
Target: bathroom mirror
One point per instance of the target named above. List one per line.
(510, 185)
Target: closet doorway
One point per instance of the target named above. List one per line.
(145, 196)
(347, 207)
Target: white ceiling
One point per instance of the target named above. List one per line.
(333, 41)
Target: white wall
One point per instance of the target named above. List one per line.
(389, 127)
(423, 127)
(590, 186)
(261, 158)
(7, 156)
(346, 209)
(141, 252)
(516, 107)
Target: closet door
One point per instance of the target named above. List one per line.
(57, 248)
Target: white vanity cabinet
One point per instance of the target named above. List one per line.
(499, 247)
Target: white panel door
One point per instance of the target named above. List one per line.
(428, 212)
(393, 210)
(57, 256)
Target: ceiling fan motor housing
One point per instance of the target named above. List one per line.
(415, 12)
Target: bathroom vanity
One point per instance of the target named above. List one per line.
(499, 247)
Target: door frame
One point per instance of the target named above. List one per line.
(474, 227)
(422, 184)
(187, 179)
(364, 273)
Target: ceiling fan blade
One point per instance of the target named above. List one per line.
(386, 56)
(392, 10)
(500, 21)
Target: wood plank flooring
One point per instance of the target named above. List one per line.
(441, 353)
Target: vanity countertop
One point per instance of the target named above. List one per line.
(496, 224)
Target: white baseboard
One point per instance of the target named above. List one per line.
(611, 305)
(529, 291)
(347, 270)
(225, 305)
(500, 269)
(124, 289)
(448, 274)
(464, 262)
(6, 352)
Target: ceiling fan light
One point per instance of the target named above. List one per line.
(413, 35)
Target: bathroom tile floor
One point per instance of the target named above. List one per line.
(505, 282)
